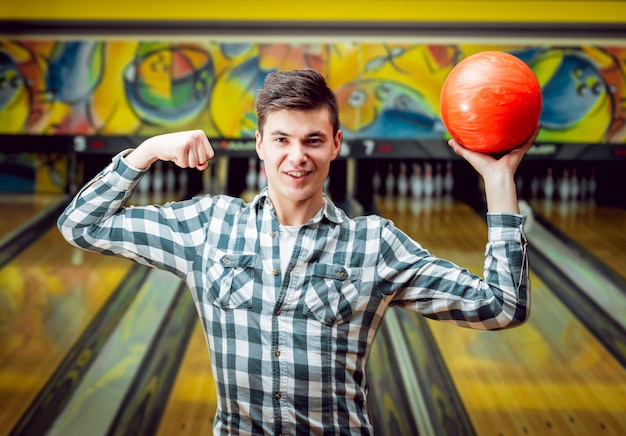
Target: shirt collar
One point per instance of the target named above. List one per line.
(329, 211)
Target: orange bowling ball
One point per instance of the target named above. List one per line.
(491, 102)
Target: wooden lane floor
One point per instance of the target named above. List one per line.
(17, 209)
(549, 376)
(599, 229)
(48, 295)
(192, 403)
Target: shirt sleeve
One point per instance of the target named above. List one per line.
(444, 291)
(96, 219)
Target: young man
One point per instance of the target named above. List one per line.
(291, 291)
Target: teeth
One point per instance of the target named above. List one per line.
(296, 173)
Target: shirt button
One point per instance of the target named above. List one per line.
(272, 234)
(277, 312)
(275, 271)
(277, 353)
(277, 395)
(225, 260)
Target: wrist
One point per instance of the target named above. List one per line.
(501, 194)
(140, 158)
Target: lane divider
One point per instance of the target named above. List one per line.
(57, 392)
(22, 237)
(415, 371)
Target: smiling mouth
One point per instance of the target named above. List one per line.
(297, 174)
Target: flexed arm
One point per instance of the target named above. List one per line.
(164, 236)
(187, 149)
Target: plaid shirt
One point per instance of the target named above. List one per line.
(289, 348)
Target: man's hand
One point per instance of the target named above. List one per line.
(497, 173)
(187, 149)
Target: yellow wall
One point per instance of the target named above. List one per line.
(322, 10)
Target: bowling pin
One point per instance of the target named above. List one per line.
(183, 181)
(429, 185)
(262, 178)
(574, 185)
(417, 187)
(251, 176)
(170, 180)
(564, 185)
(376, 181)
(389, 181)
(592, 185)
(403, 181)
(158, 179)
(548, 185)
(534, 187)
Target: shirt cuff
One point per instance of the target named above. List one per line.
(120, 175)
(506, 227)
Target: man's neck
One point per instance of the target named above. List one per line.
(296, 213)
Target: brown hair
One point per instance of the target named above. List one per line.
(299, 90)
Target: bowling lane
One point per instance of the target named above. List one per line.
(193, 400)
(599, 229)
(17, 209)
(548, 375)
(48, 295)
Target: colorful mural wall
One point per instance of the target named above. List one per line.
(385, 90)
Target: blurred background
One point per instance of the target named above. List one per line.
(97, 345)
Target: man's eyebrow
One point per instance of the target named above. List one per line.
(314, 134)
(318, 133)
(279, 133)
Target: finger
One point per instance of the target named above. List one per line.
(202, 159)
(201, 153)
(207, 153)
(531, 138)
(192, 157)
(460, 150)
(204, 144)
(203, 150)
(534, 135)
(455, 146)
(208, 149)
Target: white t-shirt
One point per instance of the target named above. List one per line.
(287, 237)
(287, 240)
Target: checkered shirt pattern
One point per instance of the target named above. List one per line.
(289, 348)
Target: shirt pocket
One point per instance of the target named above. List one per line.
(331, 293)
(229, 279)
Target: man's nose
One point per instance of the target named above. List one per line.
(298, 152)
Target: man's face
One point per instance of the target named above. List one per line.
(297, 147)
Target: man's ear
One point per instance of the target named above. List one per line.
(337, 144)
(259, 148)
